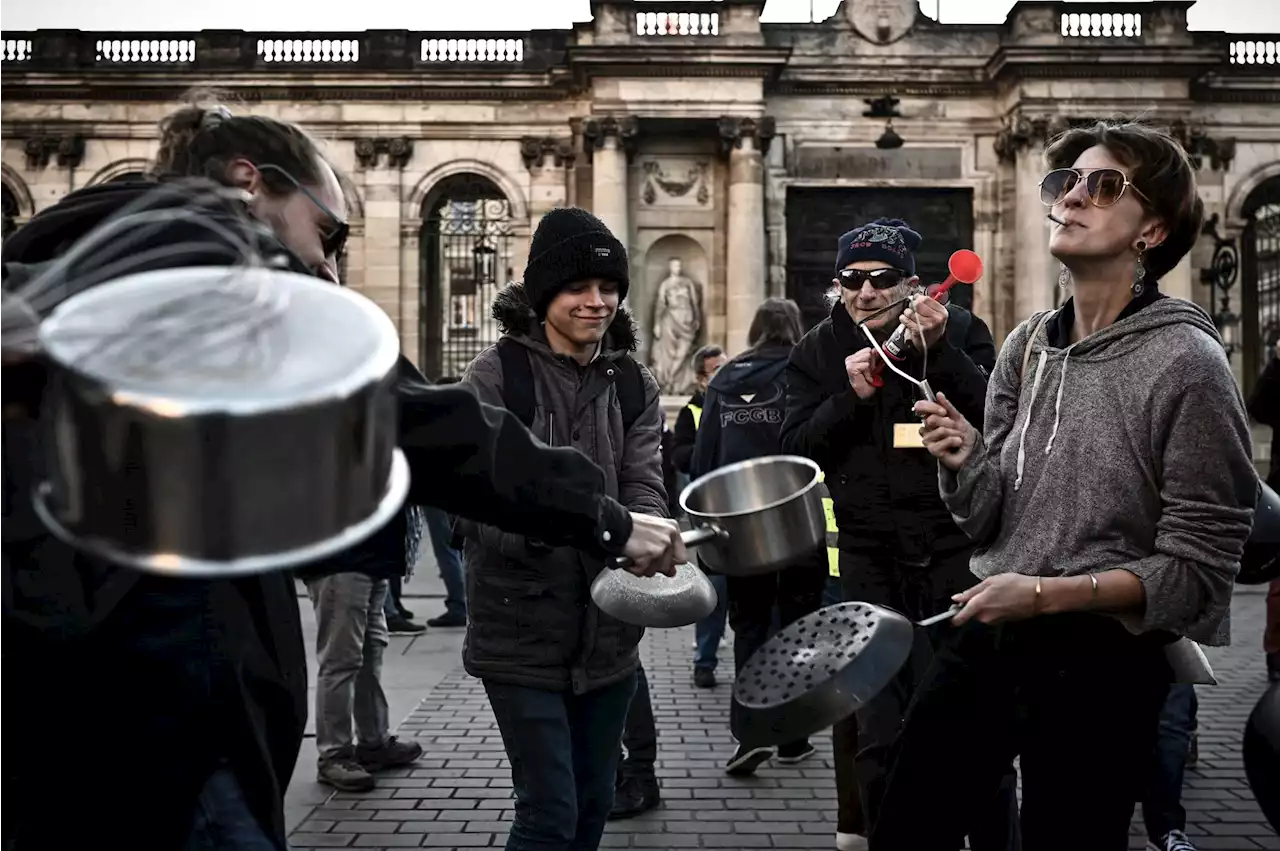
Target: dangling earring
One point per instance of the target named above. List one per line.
(1064, 278)
(1139, 271)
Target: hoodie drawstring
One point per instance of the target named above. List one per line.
(1022, 436)
(1057, 407)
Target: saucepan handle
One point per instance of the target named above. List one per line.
(939, 618)
(692, 538)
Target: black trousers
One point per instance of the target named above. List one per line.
(761, 605)
(640, 735)
(1077, 696)
(863, 743)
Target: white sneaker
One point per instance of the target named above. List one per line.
(1174, 840)
(851, 842)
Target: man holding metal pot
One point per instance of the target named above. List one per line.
(197, 688)
(898, 546)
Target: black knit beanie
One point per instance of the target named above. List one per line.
(889, 240)
(570, 245)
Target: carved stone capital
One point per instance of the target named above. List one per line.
(535, 151)
(69, 151)
(1021, 131)
(1199, 145)
(626, 130)
(733, 131)
(398, 151)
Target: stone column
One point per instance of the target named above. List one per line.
(550, 164)
(381, 163)
(1035, 271)
(746, 141)
(609, 142)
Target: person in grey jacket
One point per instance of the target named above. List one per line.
(560, 674)
(1111, 492)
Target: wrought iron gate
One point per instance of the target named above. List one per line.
(1260, 264)
(466, 259)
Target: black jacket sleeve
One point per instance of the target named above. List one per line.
(682, 440)
(706, 444)
(480, 462)
(1264, 403)
(814, 420)
(962, 373)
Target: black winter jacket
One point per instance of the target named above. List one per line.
(1264, 406)
(734, 430)
(686, 432)
(185, 674)
(883, 497)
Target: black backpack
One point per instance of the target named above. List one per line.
(517, 384)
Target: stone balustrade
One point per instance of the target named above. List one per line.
(1101, 24)
(1251, 52)
(677, 23)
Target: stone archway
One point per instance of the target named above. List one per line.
(1260, 277)
(466, 257)
(122, 171)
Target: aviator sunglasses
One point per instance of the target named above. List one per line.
(1104, 186)
(881, 279)
(335, 239)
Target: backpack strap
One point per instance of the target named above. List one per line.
(1026, 351)
(517, 380)
(630, 387)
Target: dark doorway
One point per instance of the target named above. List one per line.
(817, 217)
(1260, 279)
(466, 259)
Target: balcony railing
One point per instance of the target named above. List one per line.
(677, 23)
(1265, 52)
(443, 50)
(309, 51)
(146, 51)
(1101, 25)
(15, 50)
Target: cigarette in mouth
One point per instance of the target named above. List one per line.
(1051, 217)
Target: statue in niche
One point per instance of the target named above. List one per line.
(677, 320)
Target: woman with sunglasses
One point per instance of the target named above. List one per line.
(1112, 491)
(195, 691)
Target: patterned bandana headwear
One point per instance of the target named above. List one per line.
(889, 240)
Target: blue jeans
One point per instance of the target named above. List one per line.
(223, 819)
(563, 749)
(710, 630)
(1162, 804)
(451, 570)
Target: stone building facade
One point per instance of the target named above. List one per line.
(696, 132)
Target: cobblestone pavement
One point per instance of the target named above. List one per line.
(459, 795)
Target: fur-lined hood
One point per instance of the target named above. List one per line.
(516, 318)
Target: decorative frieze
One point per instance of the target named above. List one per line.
(535, 152)
(398, 151)
(734, 130)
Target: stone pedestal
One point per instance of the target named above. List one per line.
(745, 251)
(609, 188)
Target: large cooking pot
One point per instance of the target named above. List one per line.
(1260, 561)
(756, 516)
(1261, 752)
(210, 422)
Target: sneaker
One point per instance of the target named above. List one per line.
(704, 678)
(851, 842)
(1174, 840)
(746, 760)
(405, 613)
(794, 754)
(390, 754)
(345, 774)
(635, 796)
(404, 626)
(448, 619)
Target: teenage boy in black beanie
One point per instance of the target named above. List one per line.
(560, 674)
(898, 545)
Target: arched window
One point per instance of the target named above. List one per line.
(466, 259)
(1260, 277)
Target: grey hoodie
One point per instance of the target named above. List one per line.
(1128, 449)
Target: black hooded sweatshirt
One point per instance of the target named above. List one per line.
(742, 411)
(175, 677)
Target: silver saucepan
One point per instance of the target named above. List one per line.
(214, 422)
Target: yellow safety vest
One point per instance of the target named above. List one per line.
(697, 415)
(833, 532)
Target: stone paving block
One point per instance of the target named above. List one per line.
(460, 795)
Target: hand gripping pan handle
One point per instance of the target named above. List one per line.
(692, 538)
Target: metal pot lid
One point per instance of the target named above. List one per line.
(660, 602)
(222, 340)
(176, 564)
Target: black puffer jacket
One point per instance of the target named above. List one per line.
(532, 622)
(883, 497)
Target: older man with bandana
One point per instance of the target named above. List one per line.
(898, 545)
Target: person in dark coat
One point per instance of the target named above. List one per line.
(199, 686)
(898, 546)
(1264, 406)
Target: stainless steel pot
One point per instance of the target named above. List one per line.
(658, 601)
(756, 516)
(181, 452)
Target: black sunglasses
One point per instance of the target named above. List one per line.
(335, 239)
(1104, 186)
(881, 279)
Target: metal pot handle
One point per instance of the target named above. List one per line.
(692, 538)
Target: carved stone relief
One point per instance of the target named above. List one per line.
(882, 21)
(671, 182)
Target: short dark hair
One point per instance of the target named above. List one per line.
(776, 323)
(1159, 167)
(704, 354)
(201, 139)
